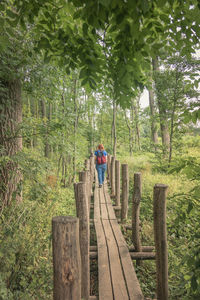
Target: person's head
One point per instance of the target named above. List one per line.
(100, 147)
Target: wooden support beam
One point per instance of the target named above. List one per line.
(117, 207)
(142, 255)
(93, 248)
(144, 248)
(134, 255)
(93, 254)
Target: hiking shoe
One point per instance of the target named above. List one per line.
(100, 185)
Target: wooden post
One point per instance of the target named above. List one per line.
(112, 176)
(88, 189)
(84, 239)
(76, 198)
(136, 212)
(125, 192)
(83, 177)
(87, 164)
(92, 169)
(117, 183)
(66, 258)
(108, 167)
(160, 237)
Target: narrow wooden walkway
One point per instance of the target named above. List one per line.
(117, 277)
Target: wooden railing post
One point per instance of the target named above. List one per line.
(76, 198)
(84, 239)
(137, 190)
(87, 164)
(108, 168)
(83, 177)
(66, 258)
(160, 237)
(112, 176)
(125, 192)
(92, 169)
(117, 183)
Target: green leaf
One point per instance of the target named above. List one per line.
(85, 28)
(84, 81)
(194, 283)
(145, 6)
(77, 14)
(11, 14)
(1, 22)
(119, 18)
(105, 3)
(83, 73)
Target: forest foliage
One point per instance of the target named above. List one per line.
(71, 75)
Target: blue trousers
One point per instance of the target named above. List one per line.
(101, 172)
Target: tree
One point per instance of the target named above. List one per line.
(175, 89)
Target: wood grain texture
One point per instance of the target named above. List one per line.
(66, 258)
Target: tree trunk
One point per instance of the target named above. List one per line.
(130, 133)
(135, 108)
(44, 117)
(163, 117)
(154, 133)
(132, 129)
(172, 120)
(114, 128)
(10, 141)
(75, 129)
(35, 114)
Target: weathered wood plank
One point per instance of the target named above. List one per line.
(105, 285)
(107, 200)
(104, 278)
(96, 204)
(133, 285)
(119, 285)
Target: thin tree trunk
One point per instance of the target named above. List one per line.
(10, 141)
(154, 133)
(75, 128)
(114, 128)
(44, 117)
(172, 121)
(35, 114)
(135, 108)
(132, 127)
(163, 117)
(129, 133)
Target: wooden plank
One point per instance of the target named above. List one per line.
(111, 212)
(104, 212)
(105, 285)
(96, 204)
(133, 285)
(104, 277)
(118, 283)
(107, 196)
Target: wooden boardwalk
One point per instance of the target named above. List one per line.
(117, 277)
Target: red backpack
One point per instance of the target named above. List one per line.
(101, 159)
